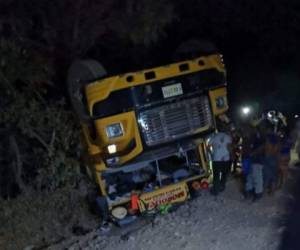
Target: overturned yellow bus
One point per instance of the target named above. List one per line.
(144, 131)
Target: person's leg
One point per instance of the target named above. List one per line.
(258, 180)
(225, 170)
(273, 174)
(249, 182)
(280, 175)
(283, 170)
(216, 178)
(267, 176)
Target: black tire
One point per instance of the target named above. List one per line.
(81, 73)
(191, 49)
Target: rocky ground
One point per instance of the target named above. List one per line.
(227, 222)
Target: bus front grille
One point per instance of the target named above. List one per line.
(176, 120)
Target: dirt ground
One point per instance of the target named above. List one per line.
(226, 222)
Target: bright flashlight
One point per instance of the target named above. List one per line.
(246, 110)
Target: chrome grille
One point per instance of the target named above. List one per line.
(176, 120)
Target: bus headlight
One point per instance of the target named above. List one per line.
(221, 102)
(112, 149)
(114, 130)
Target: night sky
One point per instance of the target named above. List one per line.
(259, 39)
(259, 42)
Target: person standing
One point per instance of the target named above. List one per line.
(254, 179)
(220, 143)
(272, 148)
(284, 159)
(247, 148)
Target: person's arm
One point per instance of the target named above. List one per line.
(211, 141)
(230, 147)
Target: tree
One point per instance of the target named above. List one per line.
(39, 40)
(68, 29)
(40, 137)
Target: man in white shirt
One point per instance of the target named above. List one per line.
(220, 143)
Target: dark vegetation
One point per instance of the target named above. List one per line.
(39, 39)
(40, 136)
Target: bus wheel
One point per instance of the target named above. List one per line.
(81, 73)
